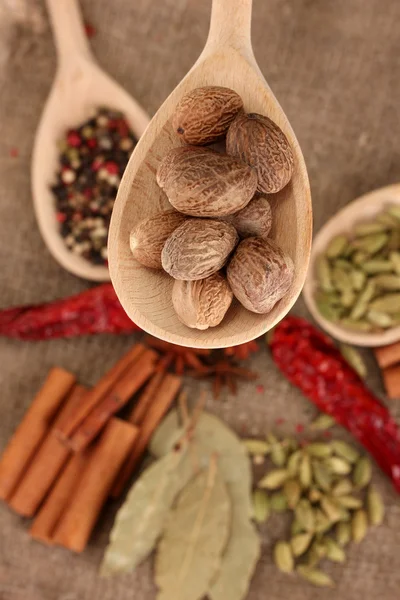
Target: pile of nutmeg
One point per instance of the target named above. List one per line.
(215, 244)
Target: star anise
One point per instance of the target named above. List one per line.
(179, 357)
(224, 372)
(243, 351)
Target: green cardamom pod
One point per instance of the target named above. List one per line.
(324, 275)
(274, 479)
(362, 472)
(296, 527)
(336, 246)
(278, 502)
(371, 243)
(375, 266)
(345, 450)
(354, 358)
(342, 263)
(292, 491)
(375, 506)
(305, 515)
(361, 305)
(322, 422)
(322, 475)
(278, 455)
(389, 303)
(257, 447)
(331, 508)
(322, 522)
(283, 557)
(343, 533)
(345, 515)
(359, 526)
(338, 465)
(261, 506)
(293, 463)
(356, 325)
(315, 576)
(358, 279)
(379, 319)
(333, 551)
(387, 282)
(319, 449)
(305, 474)
(349, 502)
(299, 543)
(342, 487)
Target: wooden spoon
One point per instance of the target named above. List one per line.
(79, 87)
(145, 294)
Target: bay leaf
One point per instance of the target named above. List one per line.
(243, 548)
(166, 435)
(142, 517)
(190, 550)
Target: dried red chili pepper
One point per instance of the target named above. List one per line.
(310, 361)
(96, 310)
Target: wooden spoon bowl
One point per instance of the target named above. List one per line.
(145, 294)
(80, 86)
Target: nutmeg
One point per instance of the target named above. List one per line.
(204, 183)
(198, 248)
(260, 274)
(254, 220)
(202, 304)
(147, 239)
(203, 115)
(259, 142)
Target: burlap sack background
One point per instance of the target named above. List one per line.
(335, 67)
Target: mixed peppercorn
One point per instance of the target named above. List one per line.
(91, 163)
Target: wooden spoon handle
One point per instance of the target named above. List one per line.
(68, 29)
(230, 26)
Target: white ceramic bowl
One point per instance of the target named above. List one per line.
(362, 209)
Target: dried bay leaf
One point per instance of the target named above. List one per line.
(167, 434)
(142, 517)
(243, 548)
(189, 552)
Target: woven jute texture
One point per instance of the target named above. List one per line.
(335, 67)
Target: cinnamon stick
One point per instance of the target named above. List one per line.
(388, 356)
(139, 410)
(33, 429)
(391, 380)
(133, 379)
(161, 402)
(76, 524)
(50, 513)
(46, 464)
(100, 390)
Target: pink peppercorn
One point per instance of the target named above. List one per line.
(73, 139)
(112, 167)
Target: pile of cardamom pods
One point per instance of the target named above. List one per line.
(326, 487)
(358, 276)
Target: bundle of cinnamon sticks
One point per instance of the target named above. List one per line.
(388, 358)
(70, 452)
